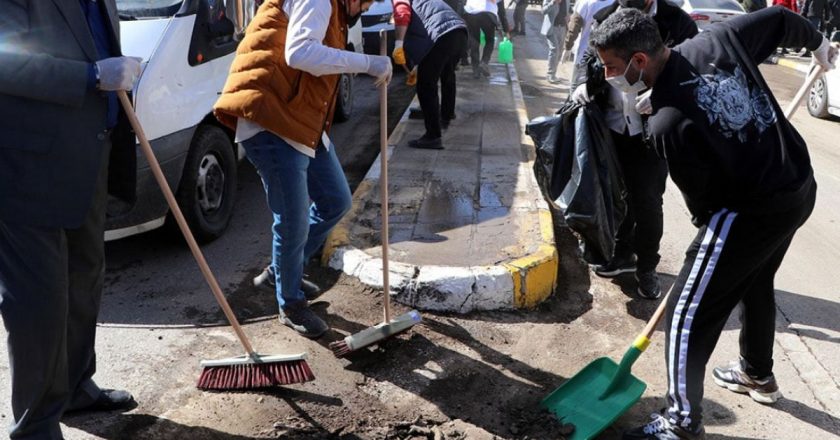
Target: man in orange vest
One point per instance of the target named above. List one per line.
(280, 98)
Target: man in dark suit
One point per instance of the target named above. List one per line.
(60, 64)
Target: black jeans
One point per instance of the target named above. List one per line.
(486, 22)
(644, 175)
(439, 66)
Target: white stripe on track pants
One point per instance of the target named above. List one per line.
(733, 259)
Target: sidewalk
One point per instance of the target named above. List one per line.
(791, 62)
(469, 229)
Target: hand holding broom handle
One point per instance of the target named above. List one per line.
(146, 148)
(383, 178)
(816, 71)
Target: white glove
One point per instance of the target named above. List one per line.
(580, 95)
(379, 67)
(643, 103)
(826, 55)
(118, 73)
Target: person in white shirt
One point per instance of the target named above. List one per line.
(481, 16)
(280, 97)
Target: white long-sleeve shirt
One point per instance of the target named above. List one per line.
(478, 6)
(305, 50)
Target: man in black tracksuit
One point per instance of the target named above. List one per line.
(746, 177)
(644, 172)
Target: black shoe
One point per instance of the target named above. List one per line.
(109, 400)
(426, 143)
(661, 428)
(485, 70)
(266, 281)
(415, 113)
(648, 285)
(444, 122)
(734, 378)
(303, 320)
(476, 72)
(617, 266)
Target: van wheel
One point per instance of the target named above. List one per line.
(207, 191)
(344, 102)
(818, 98)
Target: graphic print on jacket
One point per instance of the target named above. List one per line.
(732, 104)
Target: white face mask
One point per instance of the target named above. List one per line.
(621, 83)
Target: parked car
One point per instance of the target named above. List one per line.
(824, 96)
(708, 12)
(187, 47)
(380, 16)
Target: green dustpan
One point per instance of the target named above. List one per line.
(593, 398)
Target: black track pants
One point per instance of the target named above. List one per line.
(732, 260)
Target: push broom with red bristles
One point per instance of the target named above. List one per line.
(389, 327)
(252, 370)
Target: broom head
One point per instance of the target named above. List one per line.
(373, 335)
(254, 371)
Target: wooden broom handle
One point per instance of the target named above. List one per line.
(657, 315)
(383, 178)
(816, 71)
(182, 223)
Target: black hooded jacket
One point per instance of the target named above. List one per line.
(718, 125)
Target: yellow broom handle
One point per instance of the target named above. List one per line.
(182, 222)
(383, 178)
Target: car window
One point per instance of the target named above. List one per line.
(728, 5)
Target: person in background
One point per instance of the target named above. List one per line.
(577, 38)
(746, 177)
(790, 5)
(519, 17)
(482, 16)
(279, 98)
(645, 173)
(64, 146)
(432, 36)
(555, 16)
(814, 11)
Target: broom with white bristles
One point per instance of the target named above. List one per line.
(252, 370)
(389, 327)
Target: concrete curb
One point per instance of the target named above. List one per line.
(519, 283)
(790, 64)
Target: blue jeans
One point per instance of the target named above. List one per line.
(307, 196)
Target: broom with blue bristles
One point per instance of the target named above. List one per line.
(253, 370)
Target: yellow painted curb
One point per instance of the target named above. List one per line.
(535, 275)
(790, 64)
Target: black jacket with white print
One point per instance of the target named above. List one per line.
(716, 122)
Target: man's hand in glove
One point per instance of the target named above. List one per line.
(643, 103)
(826, 55)
(118, 73)
(399, 53)
(580, 95)
(379, 67)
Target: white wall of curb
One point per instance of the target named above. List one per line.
(349, 260)
(492, 288)
(400, 274)
(442, 288)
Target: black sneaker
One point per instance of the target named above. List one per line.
(661, 428)
(617, 266)
(648, 285)
(444, 123)
(428, 143)
(266, 281)
(732, 377)
(304, 321)
(485, 70)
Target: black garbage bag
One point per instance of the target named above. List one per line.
(583, 178)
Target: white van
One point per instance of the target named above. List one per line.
(187, 47)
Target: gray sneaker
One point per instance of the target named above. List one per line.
(661, 428)
(304, 321)
(734, 378)
(266, 281)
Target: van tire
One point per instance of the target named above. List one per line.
(344, 100)
(207, 192)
